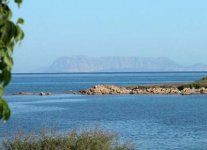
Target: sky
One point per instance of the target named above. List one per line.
(176, 29)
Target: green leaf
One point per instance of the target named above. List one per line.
(10, 34)
(18, 2)
(20, 21)
(5, 111)
(1, 90)
(5, 77)
(9, 31)
(5, 13)
(10, 48)
(2, 65)
(19, 35)
(8, 61)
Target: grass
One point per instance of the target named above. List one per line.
(202, 83)
(196, 84)
(95, 139)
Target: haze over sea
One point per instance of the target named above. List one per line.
(150, 121)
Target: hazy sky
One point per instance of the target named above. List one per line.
(151, 28)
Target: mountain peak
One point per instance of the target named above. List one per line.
(118, 64)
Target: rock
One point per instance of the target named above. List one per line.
(186, 91)
(24, 93)
(45, 93)
(132, 92)
(203, 91)
(48, 93)
(105, 89)
(197, 91)
(42, 94)
(112, 89)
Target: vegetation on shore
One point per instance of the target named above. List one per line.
(202, 83)
(95, 139)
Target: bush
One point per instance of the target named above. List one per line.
(204, 78)
(190, 85)
(87, 140)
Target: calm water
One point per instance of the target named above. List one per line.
(150, 121)
(60, 83)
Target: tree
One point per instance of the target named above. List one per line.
(10, 35)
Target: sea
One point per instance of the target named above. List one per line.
(151, 122)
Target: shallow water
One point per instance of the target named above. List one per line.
(152, 122)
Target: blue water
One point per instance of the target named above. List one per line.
(150, 121)
(60, 83)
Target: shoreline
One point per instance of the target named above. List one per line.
(196, 87)
(142, 90)
(165, 89)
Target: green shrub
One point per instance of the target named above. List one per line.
(204, 78)
(86, 140)
(196, 85)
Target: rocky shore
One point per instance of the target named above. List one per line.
(112, 89)
(139, 90)
(30, 93)
(196, 87)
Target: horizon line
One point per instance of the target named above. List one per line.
(108, 72)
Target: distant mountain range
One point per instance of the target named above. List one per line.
(118, 64)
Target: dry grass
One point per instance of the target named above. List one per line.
(95, 139)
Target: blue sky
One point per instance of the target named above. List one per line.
(176, 29)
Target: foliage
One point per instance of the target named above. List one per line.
(95, 139)
(10, 35)
(196, 84)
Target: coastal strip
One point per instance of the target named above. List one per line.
(138, 90)
(112, 89)
(196, 87)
